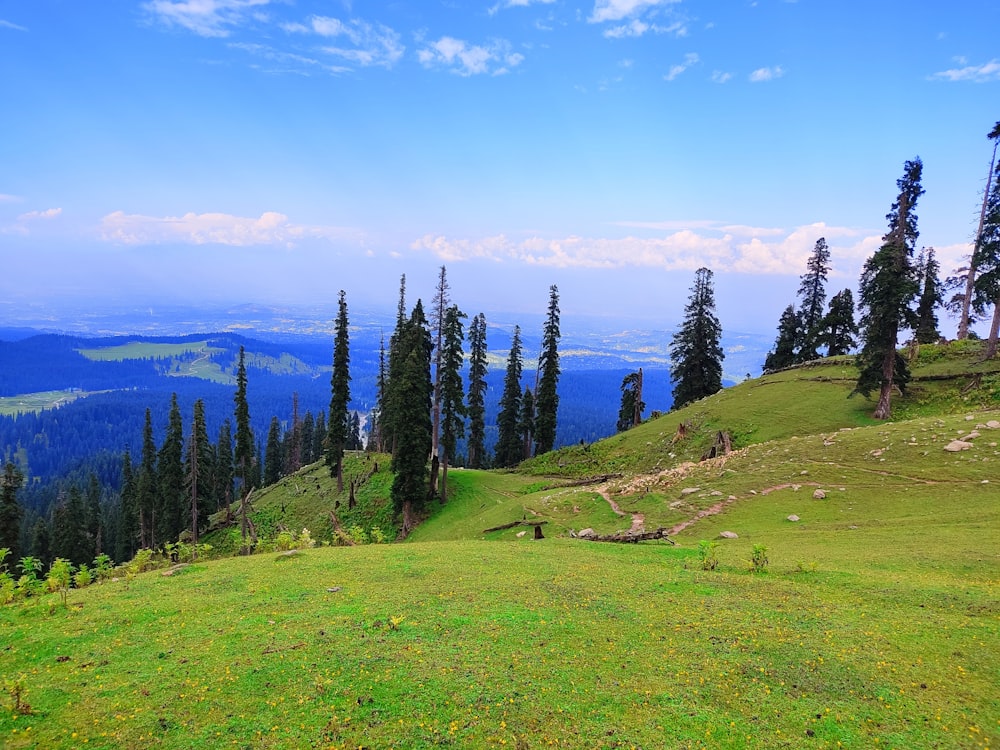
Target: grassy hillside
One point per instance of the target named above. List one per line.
(874, 622)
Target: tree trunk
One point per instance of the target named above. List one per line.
(444, 478)
(963, 321)
(340, 474)
(637, 408)
(408, 521)
(991, 342)
(884, 408)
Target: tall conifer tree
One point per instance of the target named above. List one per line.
(840, 327)
(170, 477)
(812, 292)
(11, 511)
(789, 333)
(476, 399)
(509, 449)
(438, 312)
(245, 453)
(695, 350)
(889, 284)
(412, 418)
(450, 387)
(987, 256)
(272, 453)
(631, 406)
(127, 539)
(546, 397)
(931, 297)
(338, 420)
(146, 486)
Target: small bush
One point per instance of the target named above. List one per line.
(284, 541)
(378, 537)
(707, 555)
(83, 577)
(103, 567)
(358, 535)
(758, 558)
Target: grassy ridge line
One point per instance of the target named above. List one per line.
(491, 645)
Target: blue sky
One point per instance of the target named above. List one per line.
(275, 151)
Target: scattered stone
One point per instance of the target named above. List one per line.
(971, 436)
(804, 473)
(876, 453)
(716, 493)
(969, 417)
(677, 504)
(957, 445)
(793, 517)
(993, 424)
(334, 589)
(586, 533)
(819, 495)
(728, 535)
(796, 487)
(852, 527)
(521, 533)
(732, 498)
(690, 490)
(753, 492)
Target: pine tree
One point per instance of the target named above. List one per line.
(308, 425)
(146, 487)
(412, 418)
(319, 436)
(508, 449)
(223, 470)
(812, 291)
(244, 453)
(170, 477)
(931, 297)
(198, 470)
(438, 312)
(272, 453)
(546, 397)
(987, 256)
(888, 286)
(965, 299)
(69, 529)
(95, 523)
(450, 387)
(632, 405)
(526, 422)
(338, 420)
(840, 328)
(126, 542)
(390, 407)
(293, 443)
(11, 511)
(376, 440)
(476, 399)
(783, 352)
(695, 352)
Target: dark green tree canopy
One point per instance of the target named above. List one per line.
(695, 350)
(840, 327)
(509, 447)
(931, 298)
(338, 420)
(547, 399)
(631, 406)
(889, 284)
(783, 353)
(476, 404)
(812, 293)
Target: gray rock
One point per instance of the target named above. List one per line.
(957, 445)
(993, 424)
(819, 495)
(690, 490)
(728, 535)
(586, 533)
(793, 517)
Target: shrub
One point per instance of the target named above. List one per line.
(758, 558)
(83, 577)
(60, 575)
(103, 567)
(378, 537)
(357, 534)
(285, 540)
(305, 539)
(707, 554)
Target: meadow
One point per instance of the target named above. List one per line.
(871, 620)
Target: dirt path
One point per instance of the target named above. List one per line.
(638, 519)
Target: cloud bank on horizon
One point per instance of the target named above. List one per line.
(601, 138)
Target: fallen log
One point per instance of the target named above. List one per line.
(628, 537)
(512, 524)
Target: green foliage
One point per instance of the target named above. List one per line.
(931, 297)
(83, 577)
(812, 292)
(783, 353)
(475, 401)
(631, 406)
(840, 328)
(547, 398)
(16, 692)
(357, 535)
(59, 578)
(509, 450)
(338, 420)
(695, 351)
(708, 556)
(758, 558)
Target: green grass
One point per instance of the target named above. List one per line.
(146, 350)
(35, 402)
(875, 624)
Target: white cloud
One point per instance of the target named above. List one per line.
(616, 10)
(469, 59)
(691, 58)
(720, 77)
(4, 198)
(8, 25)
(368, 43)
(271, 228)
(205, 17)
(976, 73)
(727, 248)
(636, 28)
(50, 213)
(290, 62)
(766, 74)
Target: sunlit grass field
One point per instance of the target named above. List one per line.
(875, 621)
